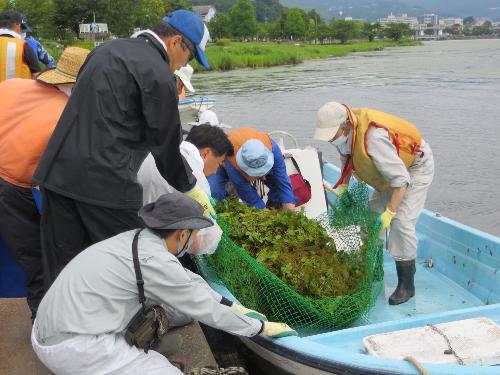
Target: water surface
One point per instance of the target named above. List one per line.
(450, 90)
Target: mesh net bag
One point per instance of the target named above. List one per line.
(352, 224)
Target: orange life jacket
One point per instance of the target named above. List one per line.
(12, 63)
(238, 137)
(403, 134)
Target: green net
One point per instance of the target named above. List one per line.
(349, 270)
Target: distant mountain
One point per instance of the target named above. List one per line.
(373, 9)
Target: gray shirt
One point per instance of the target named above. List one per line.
(96, 293)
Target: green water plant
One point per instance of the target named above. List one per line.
(297, 249)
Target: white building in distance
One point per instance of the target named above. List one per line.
(206, 12)
(429, 19)
(403, 18)
(450, 21)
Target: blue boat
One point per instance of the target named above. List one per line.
(457, 278)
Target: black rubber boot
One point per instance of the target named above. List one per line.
(406, 285)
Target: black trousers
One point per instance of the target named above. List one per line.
(20, 231)
(69, 226)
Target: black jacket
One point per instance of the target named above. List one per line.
(123, 106)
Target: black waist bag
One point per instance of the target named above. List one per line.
(150, 324)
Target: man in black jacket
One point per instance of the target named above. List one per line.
(124, 105)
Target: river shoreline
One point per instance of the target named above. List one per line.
(237, 55)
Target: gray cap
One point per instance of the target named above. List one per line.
(174, 211)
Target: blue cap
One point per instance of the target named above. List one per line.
(254, 158)
(192, 27)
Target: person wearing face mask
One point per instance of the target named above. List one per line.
(123, 107)
(388, 153)
(82, 318)
(29, 111)
(17, 59)
(205, 149)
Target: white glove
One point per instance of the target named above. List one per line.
(277, 330)
(248, 312)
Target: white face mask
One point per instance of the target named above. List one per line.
(184, 248)
(337, 142)
(65, 89)
(343, 144)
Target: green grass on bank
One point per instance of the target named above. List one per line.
(234, 55)
(258, 55)
(55, 48)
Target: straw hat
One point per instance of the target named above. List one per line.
(67, 68)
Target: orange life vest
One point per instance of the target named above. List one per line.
(403, 134)
(238, 137)
(12, 63)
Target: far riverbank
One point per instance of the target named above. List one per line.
(235, 55)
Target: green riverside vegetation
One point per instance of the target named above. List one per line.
(236, 55)
(226, 55)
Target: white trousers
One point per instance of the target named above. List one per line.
(99, 355)
(403, 241)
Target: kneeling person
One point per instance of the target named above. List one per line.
(81, 320)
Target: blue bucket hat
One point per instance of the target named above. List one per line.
(254, 158)
(192, 27)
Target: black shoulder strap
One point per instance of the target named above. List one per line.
(294, 163)
(137, 268)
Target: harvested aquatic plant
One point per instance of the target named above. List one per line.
(297, 249)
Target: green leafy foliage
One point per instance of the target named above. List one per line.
(242, 19)
(298, 250)
(397, 31)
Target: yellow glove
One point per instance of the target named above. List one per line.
(342, 188)
(384, 220)
(202, 198)
(277, 330)
(248, 312)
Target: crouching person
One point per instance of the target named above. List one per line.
(82, 321)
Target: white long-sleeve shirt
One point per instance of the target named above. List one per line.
(153, 183)
(96, 293)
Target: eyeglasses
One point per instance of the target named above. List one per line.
(186, 46)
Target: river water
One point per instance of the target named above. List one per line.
(450, 90)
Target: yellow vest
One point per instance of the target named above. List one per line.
(239, 136)
(12, 64)
(403, 134)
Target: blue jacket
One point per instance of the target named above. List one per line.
(277, 180)
(41, 53)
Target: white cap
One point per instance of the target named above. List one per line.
(209, 117)
(330, 117)
(185, 73)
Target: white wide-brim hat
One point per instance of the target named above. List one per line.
(185, 74)
(329, 119)
(210, 117)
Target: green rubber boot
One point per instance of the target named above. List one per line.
(406, 286)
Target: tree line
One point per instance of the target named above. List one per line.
(241, 22)
(238, 19)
